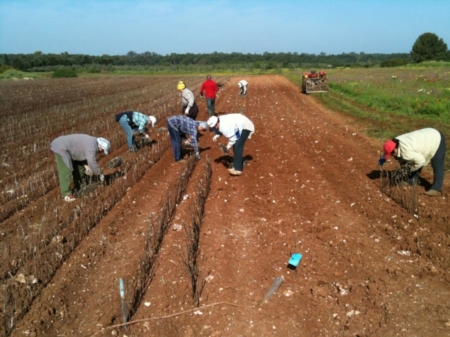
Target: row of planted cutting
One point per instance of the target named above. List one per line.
(32, 229)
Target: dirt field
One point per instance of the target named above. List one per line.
(311, 186)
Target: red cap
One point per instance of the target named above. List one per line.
(388, 147)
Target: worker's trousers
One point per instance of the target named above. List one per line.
(238, 159)
(438, 165)
(65, 175)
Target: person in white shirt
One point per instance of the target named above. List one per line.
(420, 148)
(243, 85)
(237, 128)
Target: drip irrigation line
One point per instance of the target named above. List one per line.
(168, 316)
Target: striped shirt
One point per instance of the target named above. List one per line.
(77, 147)
(185, 125)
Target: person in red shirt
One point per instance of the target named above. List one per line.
(209, 90)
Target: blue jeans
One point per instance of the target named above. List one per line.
(238, 159)
(175, 139)
(211, 105)
(123, 121)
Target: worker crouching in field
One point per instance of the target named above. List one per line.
(189, 107)
(134, 123)
(237, 128)
(76, 156)
(419, 148)
(178, 127)
(242, 84)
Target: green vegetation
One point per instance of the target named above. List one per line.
(429, 47)
(3, 68)
(391, 101)
(394, 62)
(58, 73)
(180, 62)
(13, 74)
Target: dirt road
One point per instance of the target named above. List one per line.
(369, 268)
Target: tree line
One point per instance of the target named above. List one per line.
(427, 47)
(42, 62)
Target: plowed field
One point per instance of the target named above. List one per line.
(198, 249)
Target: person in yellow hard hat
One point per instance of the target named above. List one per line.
(189, 107)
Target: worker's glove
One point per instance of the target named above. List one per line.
(186, 111)
(146, 136)
(228, 148)
(88, 171)
(197, 155)
(215, 138)
(135, 132)
(102, 177)
(381, 161)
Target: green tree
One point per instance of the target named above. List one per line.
(428, 47)
(58, 73)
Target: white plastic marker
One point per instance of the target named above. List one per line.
(122, 296)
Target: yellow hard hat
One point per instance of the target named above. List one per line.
(181, 85)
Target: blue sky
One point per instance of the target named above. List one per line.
(115, 27)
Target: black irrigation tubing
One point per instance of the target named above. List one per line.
(76, 227)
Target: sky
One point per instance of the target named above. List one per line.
(116, 27)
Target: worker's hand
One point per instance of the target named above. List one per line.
(215, 138)
(102, 177)
(146, 136)
(381, 161)
(186, 111)
(197, 155)
(88, 171)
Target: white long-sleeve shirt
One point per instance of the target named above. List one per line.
(419, 146)
(231, 126)
(242, 83)
(187, 98)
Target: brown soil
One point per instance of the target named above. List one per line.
(311, 185)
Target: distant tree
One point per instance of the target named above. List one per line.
(394, 62)
(58, 73)
(3, 68)
(428, 47)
